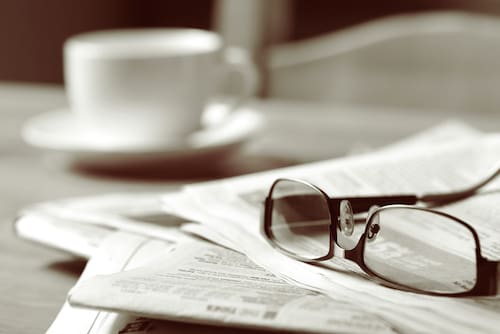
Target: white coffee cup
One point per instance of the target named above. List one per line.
(148, 86)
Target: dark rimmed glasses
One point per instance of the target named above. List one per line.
(401, 245)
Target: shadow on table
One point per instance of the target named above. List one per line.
(73, 267)
(194, 169)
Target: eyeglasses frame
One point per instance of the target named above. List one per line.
(486, 270)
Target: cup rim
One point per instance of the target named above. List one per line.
(142, 42)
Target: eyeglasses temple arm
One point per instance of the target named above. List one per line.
(459, 194)
(488, 278)
(364, 203)
(495, 278)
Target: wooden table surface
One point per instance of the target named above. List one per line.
(34, 279)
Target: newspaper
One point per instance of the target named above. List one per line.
(231, 209)
(204, 283)
(92, 220)
(118, 251)
(79, 225)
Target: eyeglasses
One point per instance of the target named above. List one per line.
(399, 244)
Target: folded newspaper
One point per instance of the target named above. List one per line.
(185, 279)
(231, 209)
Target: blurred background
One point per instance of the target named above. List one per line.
(32, 32)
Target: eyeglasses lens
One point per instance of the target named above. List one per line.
(421, 250)
(300, 219)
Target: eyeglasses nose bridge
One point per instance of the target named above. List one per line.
(346, 218)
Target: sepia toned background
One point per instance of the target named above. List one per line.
(32, 32)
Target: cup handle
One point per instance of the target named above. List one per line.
(235, 60)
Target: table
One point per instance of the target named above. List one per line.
(34, 280)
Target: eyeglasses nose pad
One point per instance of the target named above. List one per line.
(374, 227)
(346, 218)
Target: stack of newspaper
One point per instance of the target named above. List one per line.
(197, 255)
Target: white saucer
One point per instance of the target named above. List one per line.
(59, 131)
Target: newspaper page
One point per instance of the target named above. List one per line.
(117, 252)
(75, 237)
(78, 225)
(204, 283)
(232, 208)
